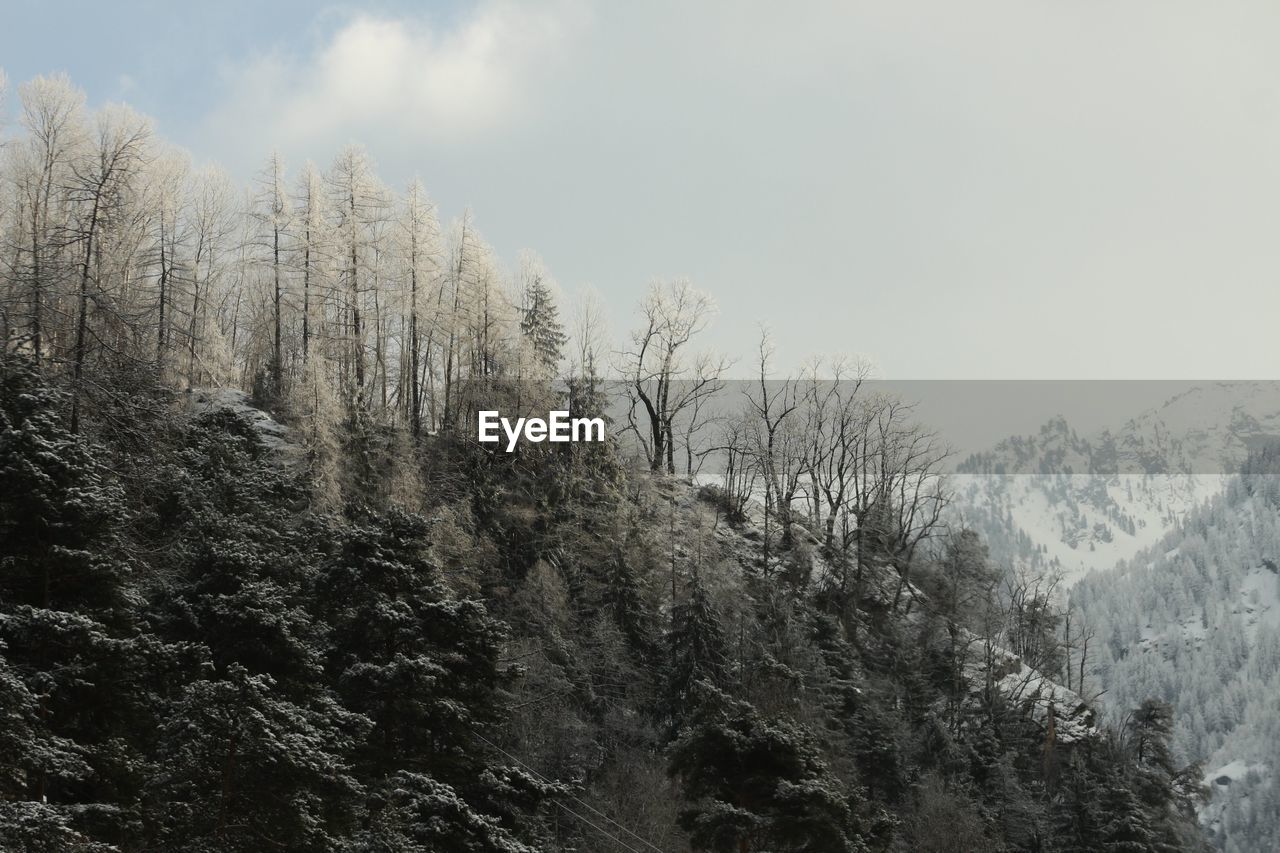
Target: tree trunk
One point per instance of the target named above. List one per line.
(82, 315)
(277, 360)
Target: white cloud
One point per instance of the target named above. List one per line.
(377, 75)
(1004, 173)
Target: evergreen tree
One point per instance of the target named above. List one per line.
(246, 770)
(415, 813)
(540, 322)
(1077, 810)
(1124, 825)
(623, 598)
(423, 666)
(757, 784)
(244, 568)
(698, 649)
(27, 749)
(254, 751)
(75, 665)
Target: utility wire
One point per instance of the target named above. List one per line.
(585, 805)
(615, 839)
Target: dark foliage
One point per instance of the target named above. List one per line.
(543, 653)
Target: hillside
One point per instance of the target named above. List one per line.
(1058, 500)
(1195, 620)
(482, 652)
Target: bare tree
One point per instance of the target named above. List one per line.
(359, 204)
(272, 214)
(99, 185)
(780, 445)
(212, 224)
(466, 257)
(419, 233)
(912, 493)
(166, 198)
(313, 248)
(836, 414)
(587, 334)
(660, 374)
(741, 477)
(53, 118)
(1034, 618)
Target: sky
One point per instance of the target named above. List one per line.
(1013, 189)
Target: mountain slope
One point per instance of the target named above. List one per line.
(1059, 500)
(1195, 620)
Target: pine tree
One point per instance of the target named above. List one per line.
(70, 643)
(698, 649)
(27, 749)
(540, 322)
(758, 784)
(1124, 825)
(415, 813)
(422, 665)
(253, 753)
(1169, 795)
(246, 770)
(1077, 811)
(623, 597)
(244, 569)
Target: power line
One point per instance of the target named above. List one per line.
(585, 805)
(615, 839)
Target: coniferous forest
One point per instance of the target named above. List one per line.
(262, 590)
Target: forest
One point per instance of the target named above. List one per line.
(261, 589)
(1194, 621)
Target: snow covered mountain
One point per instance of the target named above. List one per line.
(1173, 559)
(1060, 500)
(1195, 620)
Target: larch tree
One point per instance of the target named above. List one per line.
(312, 245)
(211, 228)
(54, 124)
(166, 197)
(587, 351)
(359, 205)
(272, 214)
(102, 179)
(420, 256)
(464, 305)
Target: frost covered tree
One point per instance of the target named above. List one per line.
(313, 252)
(245, 768)
(40, 170)
(663, 377)
(272, 214)
(211, 226)
(166, 197)
(104, 180)
(74, 663)
(360, 207)
(423, 667)
(699, 650)
(757, 784)
(540, 316)
(420, 252)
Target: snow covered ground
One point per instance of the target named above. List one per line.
(273, 434)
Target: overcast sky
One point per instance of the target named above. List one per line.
(1067, 189)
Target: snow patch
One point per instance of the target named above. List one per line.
(274, 435)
